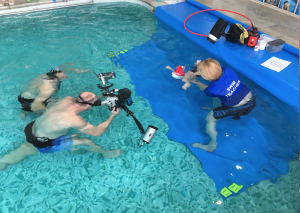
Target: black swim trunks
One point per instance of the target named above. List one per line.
(234, 112)
(40, 142)
(26, 103)
(46, 145)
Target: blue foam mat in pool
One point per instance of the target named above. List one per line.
(249, 150)
(241, 58)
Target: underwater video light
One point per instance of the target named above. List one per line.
(217, 30)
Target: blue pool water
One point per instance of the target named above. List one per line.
(249, 150)
(163, 176)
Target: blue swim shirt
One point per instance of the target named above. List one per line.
(228, 88)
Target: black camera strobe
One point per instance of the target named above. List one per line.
(120, 100)
(217, 30)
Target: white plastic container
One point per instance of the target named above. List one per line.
(267, 38)
(262, 44)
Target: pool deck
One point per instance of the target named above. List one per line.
(269, 19)
(37, 5)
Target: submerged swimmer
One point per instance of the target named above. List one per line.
(36, 96)
(47, 133)
(237, 100)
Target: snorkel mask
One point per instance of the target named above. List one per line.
(96, 103)
(52, 73)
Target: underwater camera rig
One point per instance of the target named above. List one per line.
(121, 100)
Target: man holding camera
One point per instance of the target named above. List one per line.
(47, 133)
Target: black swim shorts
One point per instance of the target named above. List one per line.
(47, 145)
(26, 103)
(234, 112)
(40, 142)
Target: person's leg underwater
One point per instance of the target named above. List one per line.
(212, 132)
(94, 147)
(210, 129)
(23, 114)
(17, 155)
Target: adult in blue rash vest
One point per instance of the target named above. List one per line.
(237, 100)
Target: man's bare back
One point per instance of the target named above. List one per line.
(57, 120)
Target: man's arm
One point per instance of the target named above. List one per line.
(88, 129)
(199, 84)
(81, 70)
(45, 92)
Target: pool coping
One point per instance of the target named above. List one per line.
(51, 6)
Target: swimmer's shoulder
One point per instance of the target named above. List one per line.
(42, 78)
(67, 102)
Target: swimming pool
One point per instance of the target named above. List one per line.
(161, 177)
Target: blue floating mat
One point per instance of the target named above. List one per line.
(249, 150)
(241, 58)
(269, 172)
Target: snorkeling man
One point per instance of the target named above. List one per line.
(47, 133)
(36, 96)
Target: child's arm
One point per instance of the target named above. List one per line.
(169, 68)
(199, 84)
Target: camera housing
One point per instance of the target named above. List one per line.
(109, 75)
(122, 100)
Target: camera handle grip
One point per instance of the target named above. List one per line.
(134, 118)
(105, 87)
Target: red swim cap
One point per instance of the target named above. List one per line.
(179, 71)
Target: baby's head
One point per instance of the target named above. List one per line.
(209, 69)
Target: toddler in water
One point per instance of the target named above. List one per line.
(185, 77)
(237, 100)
